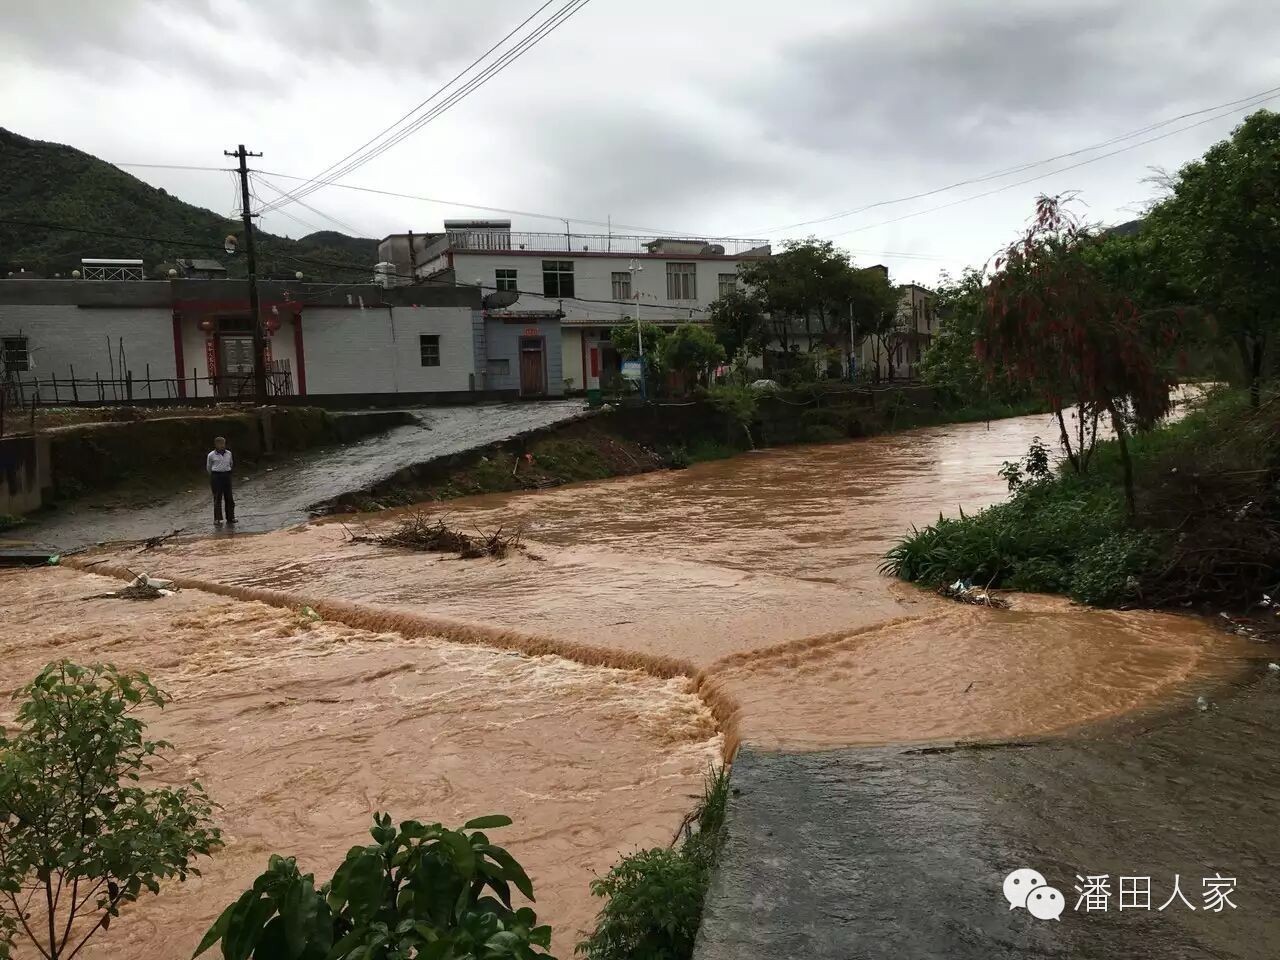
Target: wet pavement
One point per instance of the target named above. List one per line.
(281, 493)
(902, 852)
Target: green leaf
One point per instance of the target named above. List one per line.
(512, 870)
(464, 856)
(487, 823)
(215, 932)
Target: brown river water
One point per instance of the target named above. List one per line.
(583, 687)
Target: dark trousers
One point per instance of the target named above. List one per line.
(221, 484)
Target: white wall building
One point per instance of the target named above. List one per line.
(593, 281)
(91, 341)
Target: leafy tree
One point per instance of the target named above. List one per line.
(627, 342)
(1053, 324)
(79, 838)
(739, 322)
(691, 349)
(812, 283)
(951, 362)
(1219, 231)
(418, 891)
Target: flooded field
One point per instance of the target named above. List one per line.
(582, 686)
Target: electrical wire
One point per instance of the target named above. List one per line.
(256, 176)
(1009, 171)
(504, 60)
(1041, 176)
(388, 129)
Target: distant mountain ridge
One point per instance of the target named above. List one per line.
(53, 183)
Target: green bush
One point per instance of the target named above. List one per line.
(1028, 543)
(1107, 574)
(420, 890)
(655, 897)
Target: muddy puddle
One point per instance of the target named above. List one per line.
(582, 686)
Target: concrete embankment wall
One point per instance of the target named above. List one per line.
(66, 462)
(24, 473)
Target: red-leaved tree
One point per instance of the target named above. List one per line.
(1055, 324)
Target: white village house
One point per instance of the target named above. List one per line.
(590, 281)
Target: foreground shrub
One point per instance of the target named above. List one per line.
(418, 891)
(655, 897)
(79, 838)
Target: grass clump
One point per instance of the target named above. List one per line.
(654, 898)
(1206, 529)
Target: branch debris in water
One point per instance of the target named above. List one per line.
(418, 531)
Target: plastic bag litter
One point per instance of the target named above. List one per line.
(965, 592)
(165, 587)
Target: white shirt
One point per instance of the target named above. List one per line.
(218, 462)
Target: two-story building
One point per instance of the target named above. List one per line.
(585, 282)
(896, 356)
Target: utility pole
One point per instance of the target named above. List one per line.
(259, 342)
(635, 268)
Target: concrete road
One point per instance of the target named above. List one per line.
(281, 493)
(902, 853)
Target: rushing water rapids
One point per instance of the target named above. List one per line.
(742, 594)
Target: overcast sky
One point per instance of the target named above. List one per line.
(718, 117)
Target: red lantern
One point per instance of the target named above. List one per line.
(207, 324)
(273, 324)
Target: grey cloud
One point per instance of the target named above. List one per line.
(977, 80)
(650, 164)
(89, 38)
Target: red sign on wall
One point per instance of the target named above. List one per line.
(532, 332)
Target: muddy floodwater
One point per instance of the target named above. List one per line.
(582, 686)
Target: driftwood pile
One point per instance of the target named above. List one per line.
(419, 531)
(963, 592)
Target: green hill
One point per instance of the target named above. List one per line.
(53, 183)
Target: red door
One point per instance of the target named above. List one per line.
(533, 381)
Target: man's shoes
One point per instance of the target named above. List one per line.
(232, 522)
(217, 521)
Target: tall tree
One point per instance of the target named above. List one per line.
(1219, 232)
(1053, 323)
(813, 290)
(739, 322)
(691, 350)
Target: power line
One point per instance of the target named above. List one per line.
(397, 123)
(1009, 171)
(320, 213)
(1041, 176)
(504, 60)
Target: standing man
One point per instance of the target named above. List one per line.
(218, 464)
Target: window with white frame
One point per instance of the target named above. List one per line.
(14, 352)
(429, 348)
(504, 279)
(621, 285)
(682, 281)
(557, 278)
(728, 283)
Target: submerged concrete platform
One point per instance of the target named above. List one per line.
(902, 853)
